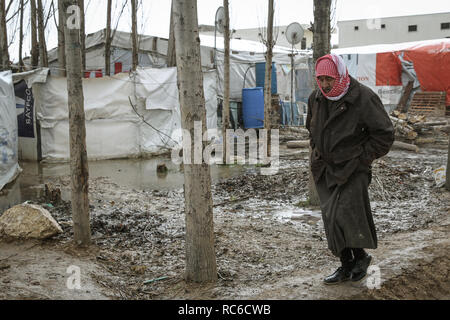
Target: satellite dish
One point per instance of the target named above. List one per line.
(220, 19)
(294, 33)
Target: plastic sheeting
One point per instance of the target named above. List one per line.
(32, 77)
(114, 127)
(242, 72)
(157, 99)
(9, 166)
(379, 66)
(363, 67)
(157, 94)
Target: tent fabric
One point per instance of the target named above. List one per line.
(431, 61)
(32, 77)
(242, 69)
(157, 93)
(157, 98)
(104, 98)
(115, 128)
(105, 139)
(9, 166)
(239, 45)
(432, 65)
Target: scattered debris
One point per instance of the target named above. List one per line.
(417, 129)
(161, 168)
(439, 176)
(154, 280)
(405, 146)
(52, 193)
(139, 269)
(298, 144)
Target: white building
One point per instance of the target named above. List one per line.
(354, 33)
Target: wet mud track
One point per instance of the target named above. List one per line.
(268, 244)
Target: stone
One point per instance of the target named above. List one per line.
(28, 221)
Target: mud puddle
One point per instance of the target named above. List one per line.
(266, 246)
(299, 215)
(140, 174)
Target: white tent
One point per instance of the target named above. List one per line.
(153, 50)
(117, 130)
(115, 127)
(9, 167)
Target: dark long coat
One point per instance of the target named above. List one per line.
(346, 136)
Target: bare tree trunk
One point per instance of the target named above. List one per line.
(447, 176)
(61, 41)
(41, 28)
(200, 255)
(171, 57)
(226, 82)
(21, 36)
(108, 40)
(79, 171)
(3, 38)
(82, 34)
(34, 41)
(268, 76)
(134, 34)
(321, 41)
(322, 31)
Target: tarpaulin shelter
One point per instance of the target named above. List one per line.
(115, 127)
(9, 166)
(153, 50)
(380, 67)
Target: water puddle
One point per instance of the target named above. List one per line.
(140, 174)
(299, 214)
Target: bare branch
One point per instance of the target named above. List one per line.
(49, 14)
(15, 13)
(9, 6)
(118, 19)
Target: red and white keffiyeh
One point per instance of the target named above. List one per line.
(333, 66)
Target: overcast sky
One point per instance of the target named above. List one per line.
(154, 15)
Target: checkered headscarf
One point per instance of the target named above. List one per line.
(333, 66)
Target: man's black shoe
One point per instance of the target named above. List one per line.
(342, 274)
(359, 271)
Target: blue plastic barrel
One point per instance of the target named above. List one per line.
(261, 73)
(253, 107)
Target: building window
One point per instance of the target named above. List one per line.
(383, 26)
(412, 28)
(445, 25)
(356, 28)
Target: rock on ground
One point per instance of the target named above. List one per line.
(28, 221)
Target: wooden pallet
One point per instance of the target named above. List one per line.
(428, 103)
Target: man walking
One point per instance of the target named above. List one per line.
(349, 128)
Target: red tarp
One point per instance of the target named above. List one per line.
(388, 70)
(431, 62)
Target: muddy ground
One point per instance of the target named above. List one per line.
(269, 244)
